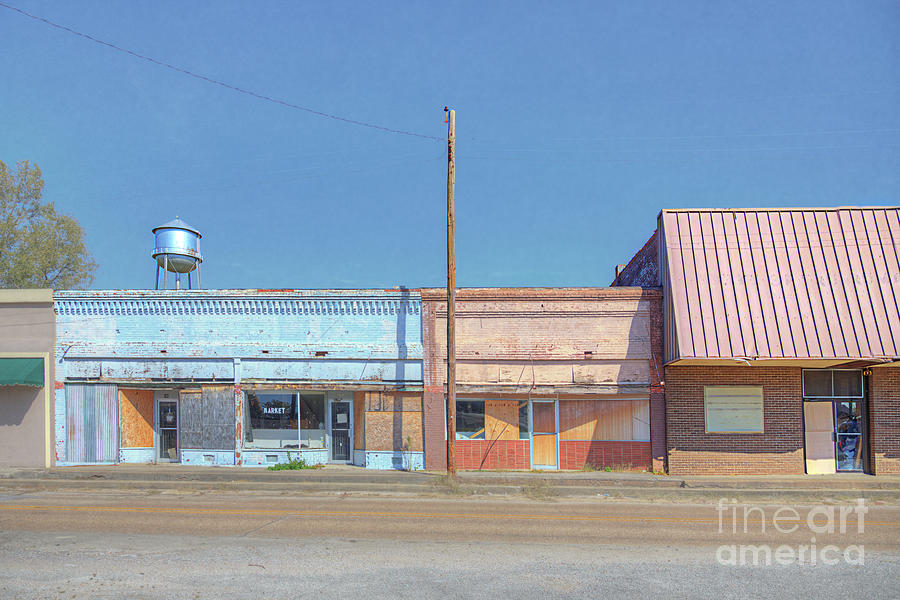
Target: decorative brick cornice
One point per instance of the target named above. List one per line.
(240, 302)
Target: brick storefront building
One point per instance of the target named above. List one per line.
(547, 378)
(781, 336)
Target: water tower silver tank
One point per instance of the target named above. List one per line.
(177, 250)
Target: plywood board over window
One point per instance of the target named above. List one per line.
(136, 418)
(501, 419)
(733, 409)
(359, 420)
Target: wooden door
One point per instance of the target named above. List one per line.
(819, 420)
(543, 416)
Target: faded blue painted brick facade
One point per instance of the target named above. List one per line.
(352, 337)
(306, 339)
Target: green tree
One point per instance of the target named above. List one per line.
(39, 247)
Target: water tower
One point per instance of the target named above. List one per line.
(177, 251)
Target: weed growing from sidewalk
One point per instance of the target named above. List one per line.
(293, 464)
(450, 485)
(539, 489)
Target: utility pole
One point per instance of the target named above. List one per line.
(451, 294)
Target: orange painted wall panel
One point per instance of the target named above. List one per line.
(599, 419)
(136, 418)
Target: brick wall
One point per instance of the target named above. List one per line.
(657, 389)
(643, 269)
(542, 342)
(499, 454)
(884, 419)
(599, 454)
(692, 451)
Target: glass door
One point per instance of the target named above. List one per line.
(340, 431)
(848, 436)
(543, 436)
(167, 430)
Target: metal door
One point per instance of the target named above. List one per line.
(819, 424)
(340, 431)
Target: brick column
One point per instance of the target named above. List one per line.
(657, 388)
(433, 415)
(884, 417)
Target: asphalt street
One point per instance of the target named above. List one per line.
(58, 545)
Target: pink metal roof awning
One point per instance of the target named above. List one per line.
(798, 285)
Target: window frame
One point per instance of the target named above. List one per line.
(862, 385)
(762, 411)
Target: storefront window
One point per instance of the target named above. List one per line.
(312, 420)
(523, 420)
(272, 420)
(492, 419)
(470, 419)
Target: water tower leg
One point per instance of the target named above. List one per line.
(199, 286)
(165, 270)
(157, 275)
(189, 282)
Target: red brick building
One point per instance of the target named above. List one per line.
(781, 338)
(550, 378)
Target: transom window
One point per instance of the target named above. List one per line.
(832, 383)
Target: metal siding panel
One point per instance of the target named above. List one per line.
(739, 286)
(797, 249)
(870, 284)
(774, 300)
(701, 275)
(882, 256)
(718, 315)
(766, 315)
(846, 291)
(217, 419)
(816, 283)
(728, 285)
(90, 423)
(857, 289)
(823, 287)
(75, 423)
(107, 423)
(190, 422)
(688, 280)
(786, 286)
(830, 286)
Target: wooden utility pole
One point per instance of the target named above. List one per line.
(451, 295)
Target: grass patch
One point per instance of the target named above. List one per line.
(293, 464)
(446, 484)
(539, 489)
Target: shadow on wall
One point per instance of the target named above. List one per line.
(402, 353)
(15, 401)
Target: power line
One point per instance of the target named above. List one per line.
(216, 81)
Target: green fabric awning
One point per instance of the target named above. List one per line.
(22, 371)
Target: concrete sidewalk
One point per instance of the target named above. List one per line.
(335, 479)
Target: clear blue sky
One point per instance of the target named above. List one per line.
(576, 121)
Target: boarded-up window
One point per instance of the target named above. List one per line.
(734, 409)
(501, 419)
(136, 418)
(207, 419)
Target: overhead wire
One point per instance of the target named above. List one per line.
(218, 82)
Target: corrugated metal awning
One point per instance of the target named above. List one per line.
(783, 283)
(22, 371)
